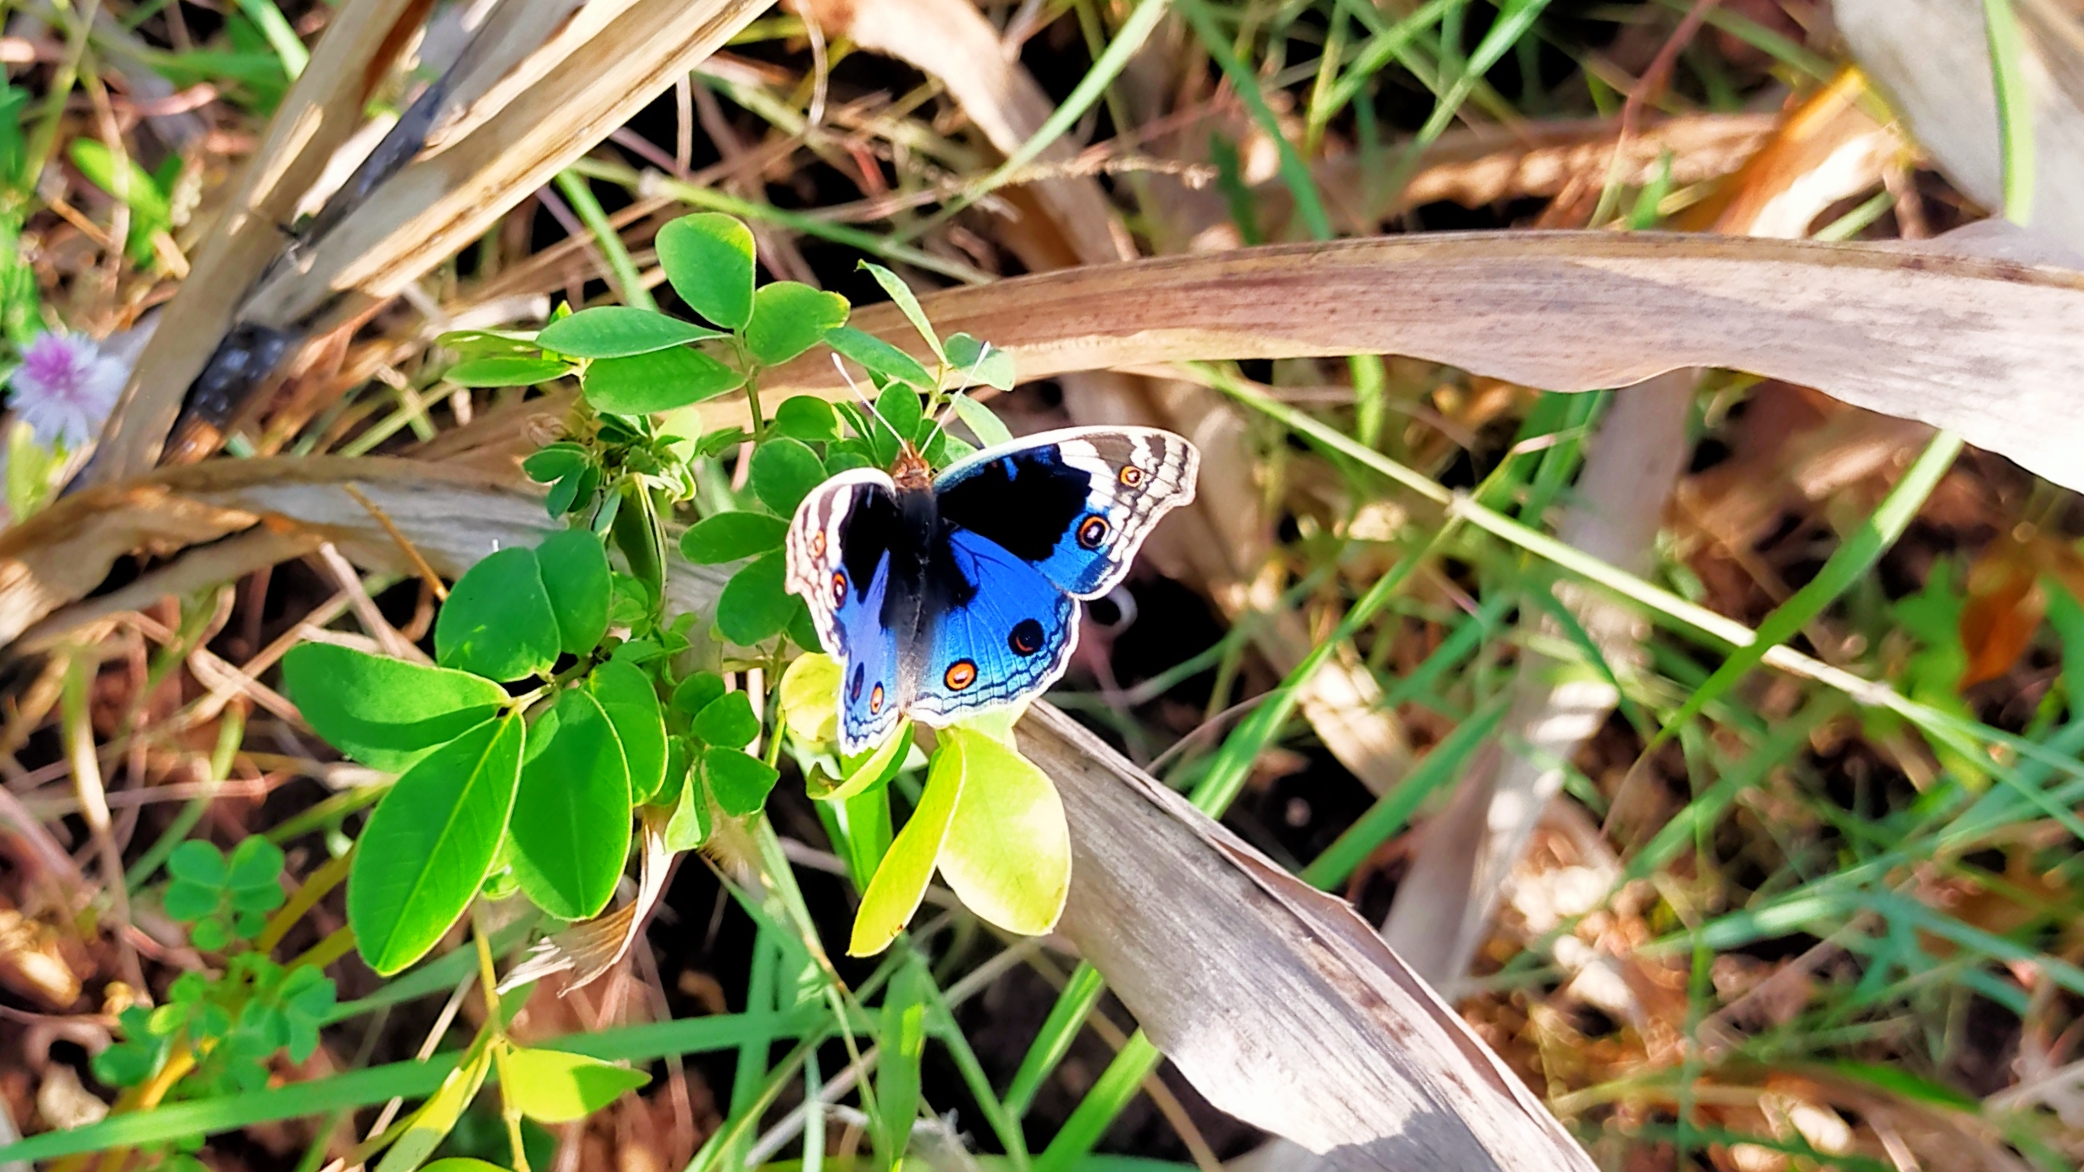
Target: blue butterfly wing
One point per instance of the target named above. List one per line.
(1001, 632)
(1074, 504)
(840, 562)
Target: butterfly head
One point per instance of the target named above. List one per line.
(911, 472)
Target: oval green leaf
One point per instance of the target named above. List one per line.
(497, 622)
(907, 303)
(783, 473)
(570, 833)
(728, 720)
(618, 331)
(695, 693)
(806, 417)
(898, 407)
(727, 537)
(1008, 849)
(973, 361)
(789, 318)
(506, 371)
(430, 842)
(708, 259)
(626, 695)
(428, 1126)
(810, 698)
(900, 880)
(755, 604)
(385, 713)
(662, 380)
(739, 781)
(987, 427)
(879, 357)
(551, 1086)
(578, 582)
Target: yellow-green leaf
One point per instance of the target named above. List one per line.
(551, 1086)
(1008, 849)
(810, 698)
(900, 882)
(428, 1126)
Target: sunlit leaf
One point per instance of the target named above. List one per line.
(644, 384)
(631, 703)
(727, 537)
(618, 331)
(551, 1086)
(900, 881)
(708, 258)
(739, 781)
(1008, 850)
(385, 713)
(500, 371)
(570, 831)
(428, 1126)
(578, 582)
(789, 318)
(810, 698)
(879, 357)
(497, 622)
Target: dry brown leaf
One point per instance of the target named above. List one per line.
(1987, 348)
(1272, 998)
(2002, 610)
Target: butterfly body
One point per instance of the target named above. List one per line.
(945, 596)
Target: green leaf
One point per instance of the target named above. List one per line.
(489, 344)
(690, 825)
(728, 720)
(428, 1126)
(722, 440)
(189, 902)
(1008, 850)
(903, 1043)
(727, 537)
(873, 768)
(789, 318)
(385, 713)
(899, 408)
(986, 426)
(694, 693)
(783, 473)
(738, 780)
(900, 881)
(461, 1164)
(708, 258)
(506, 372)
(555, 462)
(149, 210)
(430, 842)
(644, 384)
(755, 604)
(209, 934)
(578, 582)
(618, 331)
(199, 863)
(497, 622)
(552, 1086)
(807, 418)
(570, 833)
(810, 698)
(907, 304)
(626, 695)
(256, 864)
(980, 362)
(879, 357)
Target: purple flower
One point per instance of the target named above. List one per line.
(65, 387)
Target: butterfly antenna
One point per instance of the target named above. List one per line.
(863, 396)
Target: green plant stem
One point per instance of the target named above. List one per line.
(630, 284)
(495, 1023)
(2014, 107)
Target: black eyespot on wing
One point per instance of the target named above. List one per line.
(854, 685)
(1093, 531)
(1026, 637)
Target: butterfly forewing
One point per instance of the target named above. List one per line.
(840, 551)
(1076, 504)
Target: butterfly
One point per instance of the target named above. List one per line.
(946, 596)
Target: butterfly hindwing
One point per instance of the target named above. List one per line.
(1075, 504)
(839, 550)
(1001, 631)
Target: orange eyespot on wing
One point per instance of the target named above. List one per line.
(875, 701)
(839, 587)
(960, 674)
(1130, 475)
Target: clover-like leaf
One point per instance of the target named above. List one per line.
(739, 781)
(255, 863)
(728, 537)
(570, 832)
(383, 712)
(551, 1086)
(694, 693)
(708, 258)
(755, 604)
(728, 720)
(200, 863)
(1008, 850)
(789, 318)
(643, 384)
(631, 704)
(497, 622)
(618, 331)
(783, 473)
(578, 582)
(807, 418)
(428, 846)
